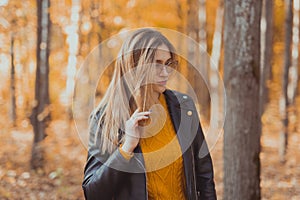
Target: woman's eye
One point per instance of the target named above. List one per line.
(169, 64)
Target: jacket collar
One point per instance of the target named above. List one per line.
(182, 114)
(175, 98)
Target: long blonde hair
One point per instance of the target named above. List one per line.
(129, 86)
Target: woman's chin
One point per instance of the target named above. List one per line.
(160, 88)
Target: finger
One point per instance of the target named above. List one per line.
(135, 112)
(143, 113)
(135, 115)
(136, 119)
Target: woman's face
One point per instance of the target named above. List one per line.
(161, 74)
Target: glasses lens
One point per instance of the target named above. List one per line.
(170, 66)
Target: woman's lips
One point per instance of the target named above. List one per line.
(162, 82)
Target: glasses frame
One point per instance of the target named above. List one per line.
(170, 66)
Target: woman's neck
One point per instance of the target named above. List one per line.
(155, 97)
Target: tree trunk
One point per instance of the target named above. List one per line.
(192, 30)
(95, 34)
(183, 70)
(266, 51)
(284, 103)
(204, 59)
(217, 37)
(73, 44)
(293, 72)
(196, 80)
(12, 84)
(215, 60)
(90, 14)
(180, 26)
(241, 75)
(269, 9)
(41, 114)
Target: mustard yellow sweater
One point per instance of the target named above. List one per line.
(163, 160)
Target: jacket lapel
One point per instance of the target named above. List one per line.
(179, 108)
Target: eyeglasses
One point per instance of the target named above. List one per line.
(170, 66)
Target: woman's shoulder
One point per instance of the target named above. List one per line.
(95, 115)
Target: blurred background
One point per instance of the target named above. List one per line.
(44, 43)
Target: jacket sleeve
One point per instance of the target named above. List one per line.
(203, 164)
(101, 174)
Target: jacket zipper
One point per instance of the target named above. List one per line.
(194, 175)
(144, 175)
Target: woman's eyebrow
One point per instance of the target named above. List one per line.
(161, 61)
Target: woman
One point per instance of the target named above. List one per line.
(146, 141)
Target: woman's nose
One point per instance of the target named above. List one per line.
(164, 71)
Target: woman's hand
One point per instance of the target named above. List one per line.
(132, 132)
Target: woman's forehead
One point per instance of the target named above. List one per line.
(162, 53)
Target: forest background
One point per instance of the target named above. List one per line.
(46, 42)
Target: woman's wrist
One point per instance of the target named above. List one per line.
(129, 143)
(127, 148)
(125, 154)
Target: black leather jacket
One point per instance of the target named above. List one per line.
(111, 176)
